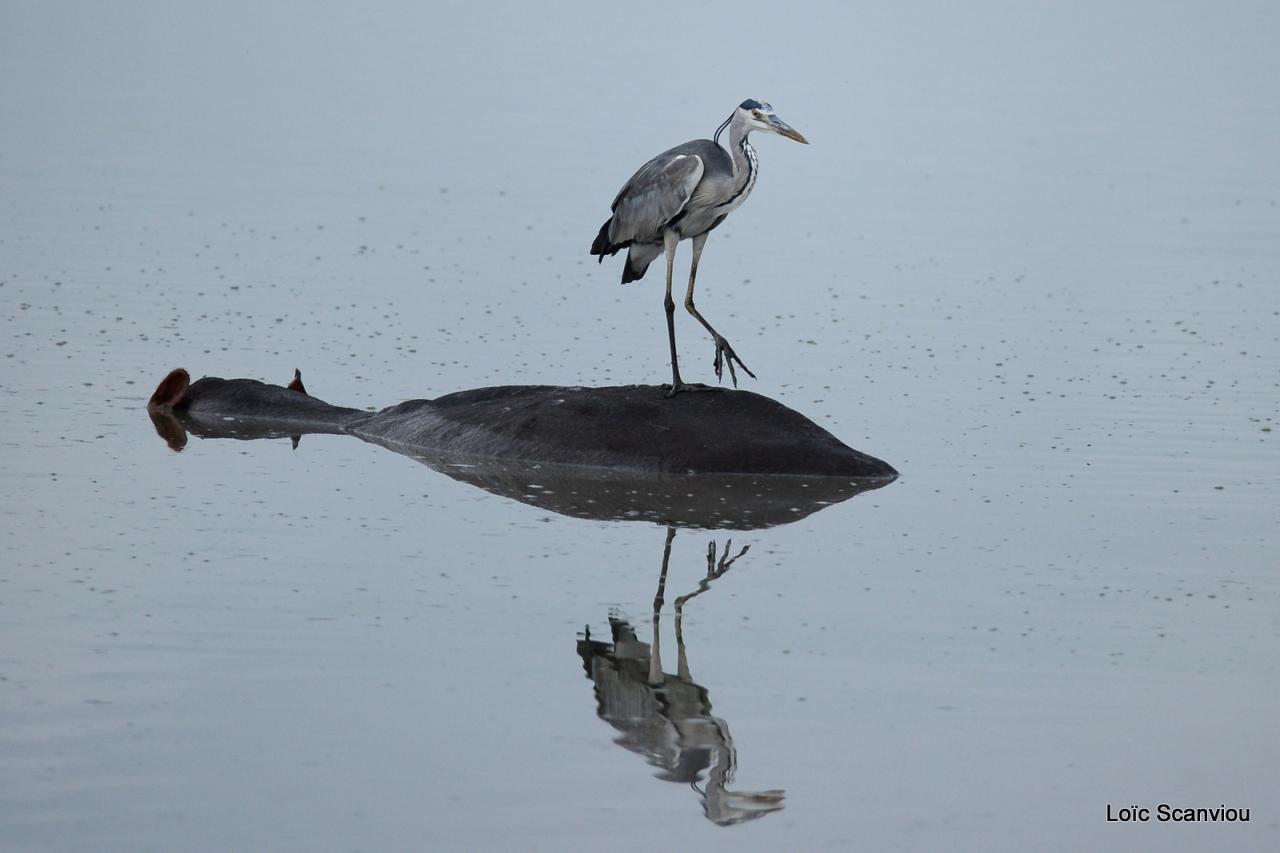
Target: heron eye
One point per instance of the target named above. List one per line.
(757, 114)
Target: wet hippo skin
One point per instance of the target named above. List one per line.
(631, 427)
(616, 454)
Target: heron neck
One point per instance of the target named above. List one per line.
(740, 150)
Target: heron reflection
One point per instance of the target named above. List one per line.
(667, 717)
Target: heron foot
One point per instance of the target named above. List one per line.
(726, 355)
(673, 390)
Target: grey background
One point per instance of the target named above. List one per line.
(1030, 258)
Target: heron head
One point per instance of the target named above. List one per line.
(760, 116)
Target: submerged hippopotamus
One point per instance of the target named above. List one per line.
(616, 452)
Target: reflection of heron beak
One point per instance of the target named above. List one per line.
(788, 131)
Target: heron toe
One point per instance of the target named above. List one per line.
(726, 355)
(673, 390)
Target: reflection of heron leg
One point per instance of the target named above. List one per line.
(724, 352)
(714, 571)
(655, 651)
(656, 678)
(721, 805)
(658, 598)
(682, 659)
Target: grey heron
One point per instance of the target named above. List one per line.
(683, 194)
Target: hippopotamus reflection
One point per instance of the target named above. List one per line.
(719, 459)
(667, 717)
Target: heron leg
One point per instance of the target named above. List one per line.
(724, 352)
(670, 240)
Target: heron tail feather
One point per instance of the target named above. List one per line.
(639, 256)
(602, 246)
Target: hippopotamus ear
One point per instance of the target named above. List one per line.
(296, 384)
(171, 390)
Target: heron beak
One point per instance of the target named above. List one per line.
(787, 130)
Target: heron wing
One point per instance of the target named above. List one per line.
(654, 196)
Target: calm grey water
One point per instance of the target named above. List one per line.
(1031, 258)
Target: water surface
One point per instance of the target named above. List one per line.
(1030, 259)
